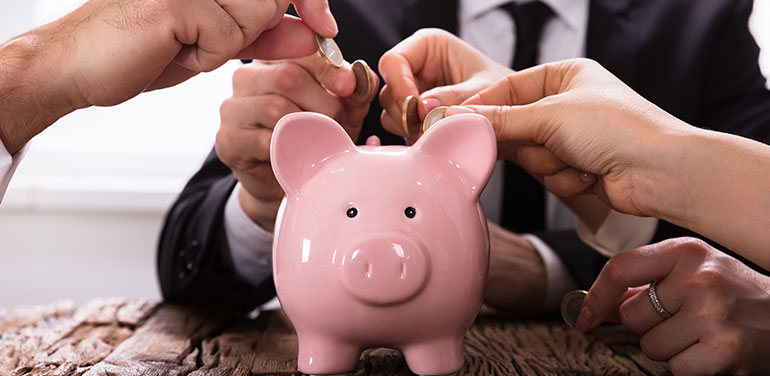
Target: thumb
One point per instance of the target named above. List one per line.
(292, 38)
(318, 16)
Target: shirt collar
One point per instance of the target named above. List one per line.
(569, 11)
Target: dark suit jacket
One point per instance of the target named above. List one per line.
(694, 58)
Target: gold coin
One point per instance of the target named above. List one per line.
(570, 306)
(363, 79)
(410, 119)
(330, 51)
(433, 116)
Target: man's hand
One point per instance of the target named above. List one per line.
(436, 65)
(263, 92)
(108, 51)
(517, 280)
(719, 309)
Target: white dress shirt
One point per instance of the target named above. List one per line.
(491, 30)
(8, 165)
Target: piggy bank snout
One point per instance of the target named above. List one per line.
(385, 269)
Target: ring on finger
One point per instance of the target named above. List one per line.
(656, 304)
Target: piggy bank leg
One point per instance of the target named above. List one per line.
(436, 357)
(321, 356)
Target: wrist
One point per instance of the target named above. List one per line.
(263, 213)
(32, 84)
(661, 163)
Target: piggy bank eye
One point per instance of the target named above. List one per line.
(410, 212)
(352, 212)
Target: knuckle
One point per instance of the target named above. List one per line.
(275, 108)
(288, 78)
(226, 108)
(680, 367)
(244, 75)
(616, 269)
(498, 121)
(222, 147)
(693, 246)
(707, 278)
(649, 346)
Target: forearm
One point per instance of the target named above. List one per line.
(32, 82)
(730, 199)
(717, 185)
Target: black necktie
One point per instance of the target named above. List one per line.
(523, 196)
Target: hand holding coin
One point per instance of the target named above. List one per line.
(365, 77)
(570, 306)
(438, 69)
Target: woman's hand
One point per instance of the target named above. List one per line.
(585, 131)
(570, 117)
(719, 309)
(438, 67)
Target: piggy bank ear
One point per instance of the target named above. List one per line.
(301, 141)
(467, 143)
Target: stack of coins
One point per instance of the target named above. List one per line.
(330, 51)
(570, 306)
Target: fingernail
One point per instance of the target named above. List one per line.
(454, 110)
(340, 80)
(584, 319)
(430, 103)
(334, 28)
(587, 178)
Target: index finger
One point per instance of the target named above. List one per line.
(397, 67)
(272, 44)
(630, 269)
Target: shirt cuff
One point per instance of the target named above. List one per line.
(8, 165)
(618, 233)
(559, 280)
(251, 246)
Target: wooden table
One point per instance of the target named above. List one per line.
(135, 337)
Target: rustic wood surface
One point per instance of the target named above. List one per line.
(135, 337)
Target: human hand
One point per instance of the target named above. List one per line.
(719, 308)
(517, 279)
(265, 91)
(438, 67)
(572, 121)
(150, 45)
(108, 51)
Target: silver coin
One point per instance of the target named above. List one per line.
(330, 51)
(410, 119)
(433, 116)
(570, 306)
(363, 79)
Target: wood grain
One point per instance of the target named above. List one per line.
(135, 337)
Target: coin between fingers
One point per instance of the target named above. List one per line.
(330, 51)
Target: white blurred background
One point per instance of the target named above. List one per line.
(82, 216)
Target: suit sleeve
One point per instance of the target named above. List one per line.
(581, 261)
(194, 263)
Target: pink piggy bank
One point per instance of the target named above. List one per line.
(381, 246)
